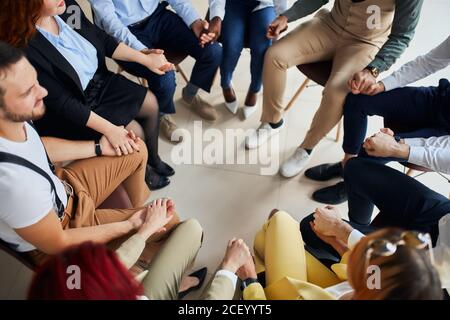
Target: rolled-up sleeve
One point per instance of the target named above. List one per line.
(107, 19)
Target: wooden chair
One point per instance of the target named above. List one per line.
(318, 72)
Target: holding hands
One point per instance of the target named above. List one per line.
(204, 32)
(118, 141)
(155, 217)
(277, 27)
(236, 256)
(384, 145)
(363, 82)
(156, 61)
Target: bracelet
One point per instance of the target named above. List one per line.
(245, 283)
(98, 148)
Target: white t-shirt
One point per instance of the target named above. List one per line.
(25, 196)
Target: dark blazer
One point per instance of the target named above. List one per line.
(66, 97)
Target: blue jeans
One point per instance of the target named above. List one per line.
(240, 28)
(416, 112)
(166, 30)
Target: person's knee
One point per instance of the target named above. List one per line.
(143, 152)
(354, 169)
(194, 229)
(278, 57)
(212, 54)
(352, 104)
(166, 84)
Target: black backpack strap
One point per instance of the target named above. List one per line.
(50, 163)
(11, 158)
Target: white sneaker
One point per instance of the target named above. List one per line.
(295, 164)
(261, 135)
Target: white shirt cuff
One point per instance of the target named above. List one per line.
(416, 154)
(390, 83)
(415, 142)
(190, 17)
(354, 237)
(230, 275)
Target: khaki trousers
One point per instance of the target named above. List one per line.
(314, 41)
(93, 180)
(174, 258)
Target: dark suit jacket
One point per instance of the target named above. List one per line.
(66, 97)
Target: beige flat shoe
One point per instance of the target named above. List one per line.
(167, 127)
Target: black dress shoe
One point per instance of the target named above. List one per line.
(325, 172)
(155, 181)
(163, 169)
(201, 276)
(336, 194)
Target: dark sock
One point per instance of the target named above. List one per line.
(308, 151)
(276, 125)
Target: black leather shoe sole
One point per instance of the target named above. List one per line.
(325, 172)
(336, 194)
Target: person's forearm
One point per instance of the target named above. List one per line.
(401, 150)
(343, 231)
(99, 234)
(60, 150)
(99, 124)
(125, 53)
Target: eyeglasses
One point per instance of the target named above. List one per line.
(388, 247)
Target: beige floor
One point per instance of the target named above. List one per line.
(234, 200)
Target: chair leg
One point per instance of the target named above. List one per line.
(297, 94)
(181, 71)
(339, 131)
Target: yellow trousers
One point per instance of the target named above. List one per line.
(279, 251)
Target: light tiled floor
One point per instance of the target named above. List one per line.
(234, 200)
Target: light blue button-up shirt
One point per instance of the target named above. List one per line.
(79, 52)
(114, 16)
(217, 7)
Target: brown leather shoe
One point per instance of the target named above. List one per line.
(202, 108)
(251, 99)
(167, 127)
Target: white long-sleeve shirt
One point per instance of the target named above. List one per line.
(432, 153)
(423, 66)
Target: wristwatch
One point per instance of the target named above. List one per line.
(98, 148)
(245, 283)
(374, 71)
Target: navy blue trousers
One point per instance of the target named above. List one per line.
(167, 31)
(403, 202)
(412, 112)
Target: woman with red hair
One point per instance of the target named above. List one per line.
(85, 100)
(93, 272)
